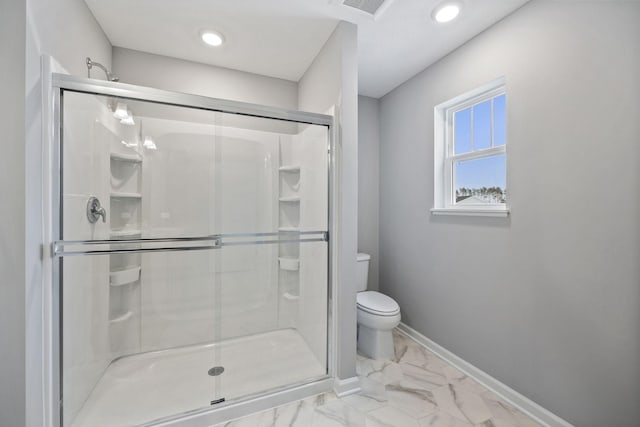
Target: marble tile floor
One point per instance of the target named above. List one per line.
(416, 389)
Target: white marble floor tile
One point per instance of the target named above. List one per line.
(525, 421)
(421, 377)
(413, 401)
(462, 404)
(500, 411)
(363, 403)
(442, 419)
(453, 374)
(390, 417)
(373, 389)
(385, 372)
(337, 414)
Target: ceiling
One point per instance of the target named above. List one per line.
(280, 38)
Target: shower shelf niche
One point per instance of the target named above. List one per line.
(290, 168)
(122, 318)
(125, 269)
(289, 203)
(124, 277)
(119, 195)
(290, 199)
(290, 297)
(133, 158)
(289, 180)
(289, 263)
(123, 234)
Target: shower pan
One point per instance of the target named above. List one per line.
(190, 257)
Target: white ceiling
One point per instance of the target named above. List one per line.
(280, 38)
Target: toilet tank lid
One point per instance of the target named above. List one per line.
(363, 257)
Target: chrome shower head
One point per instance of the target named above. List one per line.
(91, 64)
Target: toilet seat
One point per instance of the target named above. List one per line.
(376, 303)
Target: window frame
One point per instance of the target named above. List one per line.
(445, 157)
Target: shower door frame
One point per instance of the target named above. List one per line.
(233, 408)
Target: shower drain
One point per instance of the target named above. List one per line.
(216, 370)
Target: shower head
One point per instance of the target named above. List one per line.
(91, 64)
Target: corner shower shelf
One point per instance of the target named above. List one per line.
(290, 199)
(134, 158)
(289, 263)
(120, 234)
(124, 277)
(290, 296)
(123, 318)
(126, 195)
(289, 168)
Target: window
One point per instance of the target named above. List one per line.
(470, 153)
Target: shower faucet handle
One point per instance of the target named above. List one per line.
(95, 210)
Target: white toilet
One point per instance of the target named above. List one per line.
(378, 314)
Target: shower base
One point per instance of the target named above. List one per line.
(141, 388)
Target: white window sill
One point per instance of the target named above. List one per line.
(500, 213)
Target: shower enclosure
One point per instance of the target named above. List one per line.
(191, 253)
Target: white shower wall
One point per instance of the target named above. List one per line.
(85, 282)
(201, 180)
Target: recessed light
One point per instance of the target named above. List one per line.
(212, 38)
(446, 12)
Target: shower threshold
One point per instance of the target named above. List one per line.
(140, 388)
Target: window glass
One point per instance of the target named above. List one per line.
(462, 131)
(499, 120)
(470, 153)
(482, 125)
(480, 181)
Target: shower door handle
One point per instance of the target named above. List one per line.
(95, 210)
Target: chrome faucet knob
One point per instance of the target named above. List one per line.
(95, 210)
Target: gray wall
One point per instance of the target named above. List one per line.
(168, 73)
(369, 183)
(332, 80)
(12, 230)
(67, 31)
(547, 300)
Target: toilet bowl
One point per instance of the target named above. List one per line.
(377, 315)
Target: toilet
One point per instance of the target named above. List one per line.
(378, 314)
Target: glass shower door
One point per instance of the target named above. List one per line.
(193, 254)
(139, 312)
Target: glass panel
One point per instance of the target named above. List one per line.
(186, 329)
(462, 133)
(481, 181)
(274, 334)
(499, 120)
(119, 366)
(482, 125)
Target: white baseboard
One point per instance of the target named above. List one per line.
(346, 387)
(526, 405)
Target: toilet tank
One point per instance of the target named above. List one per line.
(362, 272)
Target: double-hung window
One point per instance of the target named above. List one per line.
(470, 153)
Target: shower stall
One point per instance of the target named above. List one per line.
(191, 254)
